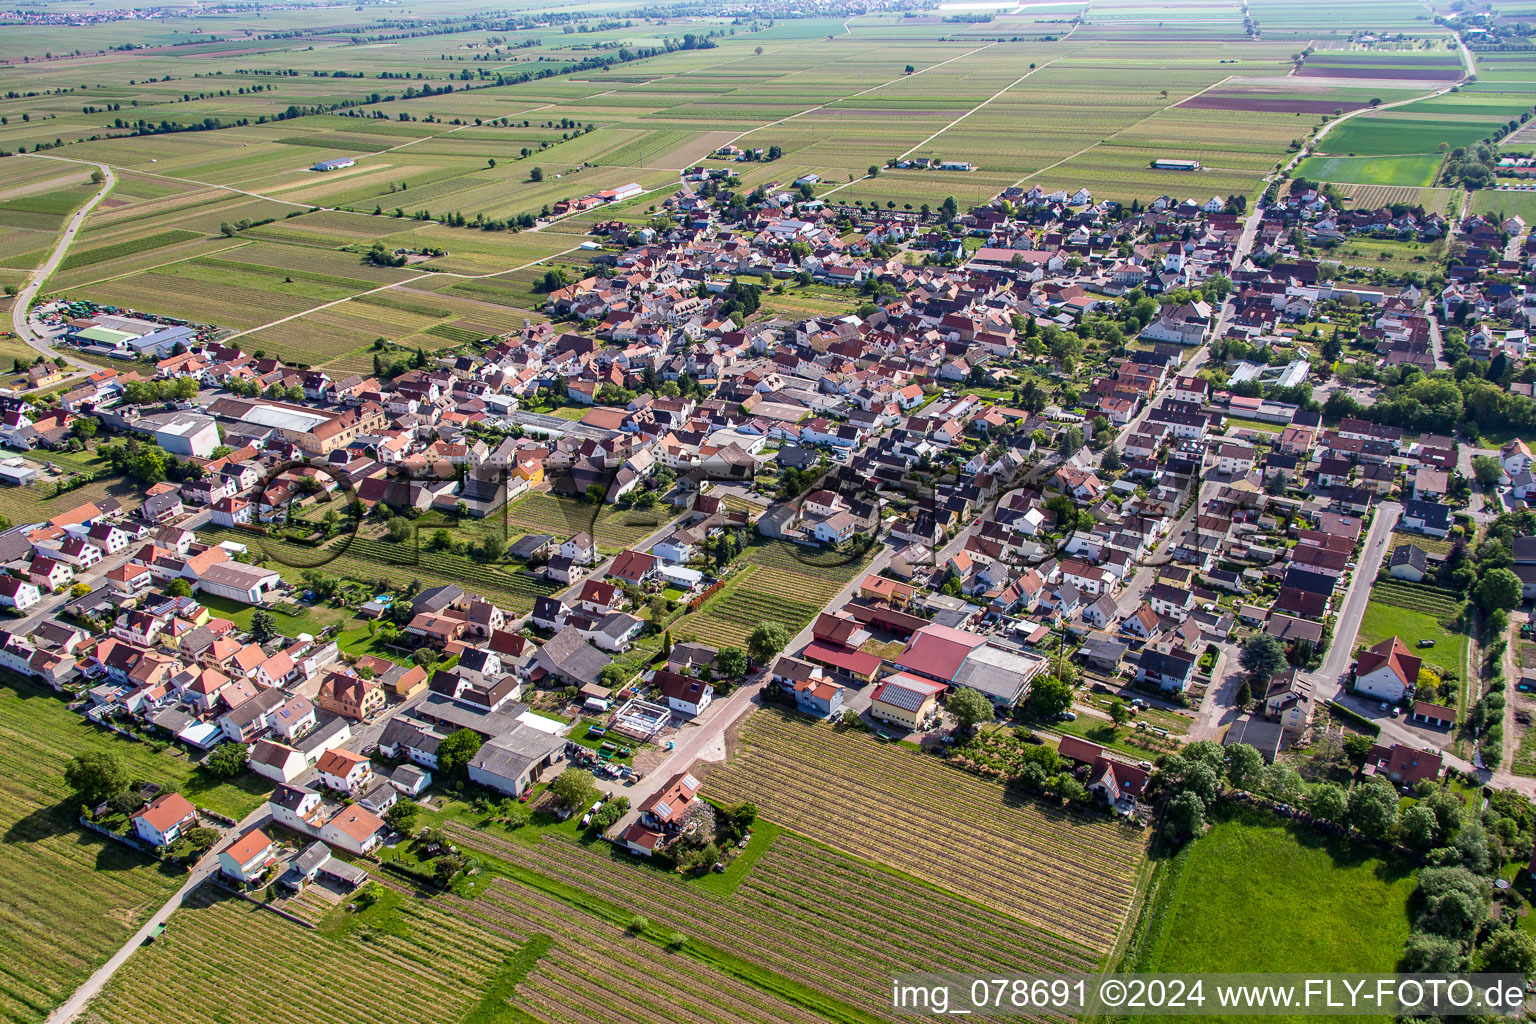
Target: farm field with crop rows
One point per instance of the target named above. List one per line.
(427, 964)
(69, 899)
(1069, 872)
(560, 517)
(782, 583)
(815, 915)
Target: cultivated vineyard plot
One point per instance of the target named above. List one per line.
(1072, 873)
(432, 965)
(815, 916)
(596, 972)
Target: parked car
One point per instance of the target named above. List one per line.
(1426, 643)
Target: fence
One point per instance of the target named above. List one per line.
(705, 595)
(128, 841)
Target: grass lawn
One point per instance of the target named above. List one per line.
(1255, 895)
(358, 642)
(1382, 620)
(1125, 739)
(1239, 422)
(310, 619)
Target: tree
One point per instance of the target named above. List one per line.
(97, 776)
(1373, 808)
(766, 641)
(98, 176)
(595, 493)
(970, 707)
(1281, 782)
(1071, 441)
(457, 750)
(537, 174)
(576, 788)
(1510, 951)
(731, 662)
(1419, 828)
(873, 171)
(1487, 470)
(227, 760)
(1431, 954)
(1275, 484)
(1244, 763)
(1119, 713)
(179, 587)
(398, 529)
(1186, 817)
(263, 626)
(1499, 590)
(147, 465)
(1326, 802)
(1049, 697)
(1243, 697)
(402, 816)
(1262, 657)
(1112, 462)
(201, 839)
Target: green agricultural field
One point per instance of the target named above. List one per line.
(1504, 203)
(1255, 894)
(1395, 170)
(1392, 133)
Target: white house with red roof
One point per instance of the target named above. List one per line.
(1387, 671)
(164, 819)
(355, 829)
(246, 858)
(666, 808)
(344, 771)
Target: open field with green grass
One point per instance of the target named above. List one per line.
(1394, 170)
(1255, 894)
(1414, 612)
(612, 527)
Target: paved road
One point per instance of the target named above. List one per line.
(1327, 681)
(72, 1007)
(23, 300)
